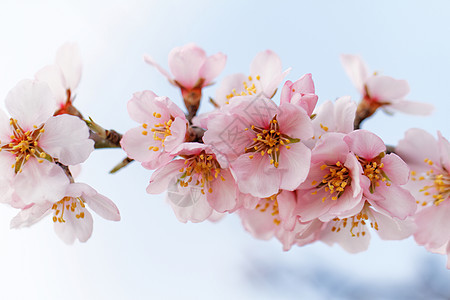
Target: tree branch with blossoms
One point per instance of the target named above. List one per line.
(290, 169)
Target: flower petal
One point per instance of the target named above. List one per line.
(67, 138)
(393, 229)
(30, 216)
(162, 176)
(386, 89)
(31, 103)
(53, 76)
(40, 182)
(68, 58)
(412, 107)
(365, 144)
(212, 67)
(356, 69)
(74, 228)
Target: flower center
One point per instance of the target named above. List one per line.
(68, 205)
(160, 131)
(373, 169)
(357, 223)
(333, 182)
(439, 189)
(268, 141)
(270, 204)
(249, 89)
(24, 145)
(200, 170)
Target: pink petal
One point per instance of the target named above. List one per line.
(330, 149)
(294, 122)
(344, 111)
(227, 134)
(53, 76)
(188, 203)
(30, 216)
(396, 169)
(412, 107)
(226, 87)
(391, 228)
(432, 225)
(67, 138)
(365, 144)
(185, 63)
(386, 89)
(256, 176)
(74, 228)
(349, 243)
(162, 176)
(31, 103)
(294, 165)
(40, 182)
(212, 67)
(417, 146)
(137, 145)
(68, 58)
(356, 69)
(102, 205)
(444, 151)
(287, 203)
(258, 224)
(397, 202)
(267, 65)
(223, 197)
(178, 130)
(148, 59)
(310, 207)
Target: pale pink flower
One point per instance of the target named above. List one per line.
(352, 233)
(190, 66)
(32, 140)
(71, 218)
(197, 184)
(265, 75)
(384, 175)
(385, 205)
(429, 160)
(301, 92)
(337, 116)
(381, 91)
(333, 187)
(63, 76)
(263, 143)
(163, 129)
(270, 215)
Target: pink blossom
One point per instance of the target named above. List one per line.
(197, 184)
(265, 76)
(63, 76)
(333, 187)
(379, 90)
(384, 175)
(32, 140)
(270, 215)
(429, 160)
(352, 233)
(386, 206)
(163, 129)
(263, 143)
(71, 218)
(190, 66)
(335, 116)
(301, 92)
(275, 216)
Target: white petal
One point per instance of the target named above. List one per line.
(67, 138)
(68, 58)
(31, 103)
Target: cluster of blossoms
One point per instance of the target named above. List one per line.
(40, 143)
(289, 169)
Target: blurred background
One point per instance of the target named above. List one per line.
(149, 254)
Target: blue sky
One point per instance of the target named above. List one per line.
(149, 254)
